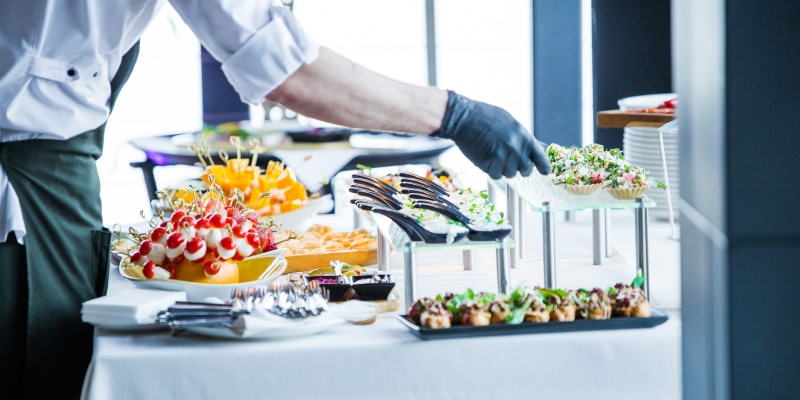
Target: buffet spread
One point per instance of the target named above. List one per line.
(224, 245)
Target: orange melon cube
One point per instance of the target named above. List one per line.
(296, 192)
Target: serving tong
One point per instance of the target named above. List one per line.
(280, 299)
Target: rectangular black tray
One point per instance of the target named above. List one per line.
(658, 317)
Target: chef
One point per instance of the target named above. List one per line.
(62, 66)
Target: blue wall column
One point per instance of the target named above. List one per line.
(736, 72)
(557, 71)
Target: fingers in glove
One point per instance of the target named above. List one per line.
(539, 158)
(510, 167)
(495, 169)
(525, 166)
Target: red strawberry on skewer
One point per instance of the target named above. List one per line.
(176, 244)
(195, 249)
(226, 248)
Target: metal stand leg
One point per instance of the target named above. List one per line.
(549, 241)
(598, 237)
(642, 261)
(491, 190)
(522, 231)
(609, 245)
(149, 177)
(469, 260)
(569, 216)
(512, 215)
(410, 276)
(503, 273)
(356, 219)
(384, 253)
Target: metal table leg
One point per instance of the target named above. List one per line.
(569, 216)
(384, 253)
(598, 237)
(491, 190)
(512, 215)
(469, 260)
(609, 245)
(642, 261)
(549, 241)
(356, 219)
(522, 231)
(410, 277)
(503, 273)
(149, 177)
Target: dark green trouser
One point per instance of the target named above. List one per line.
(45, 348)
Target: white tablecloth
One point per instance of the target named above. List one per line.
(384, 361)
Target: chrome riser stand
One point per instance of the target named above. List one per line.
(384, 253)
(503, 272)
(609, 246)
(522, 230)
(410, 277)
(599, 236)
(469, 260)
(642, 261)
(549, 250)
(512, 214)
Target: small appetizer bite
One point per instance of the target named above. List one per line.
(500, 309)
(598, 305)
(561, 304)
(436, 317)
(419, 307)
(474, 313)
(631, 302)
(537, 311)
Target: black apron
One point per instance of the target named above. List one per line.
(45, 348)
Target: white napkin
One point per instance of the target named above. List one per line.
(260, 321)
(129, 307)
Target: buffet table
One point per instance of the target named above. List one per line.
(384, 360)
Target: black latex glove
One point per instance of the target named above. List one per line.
(491, 138)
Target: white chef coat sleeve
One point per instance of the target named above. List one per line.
(259, 42)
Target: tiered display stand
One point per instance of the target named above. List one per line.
(542, 196)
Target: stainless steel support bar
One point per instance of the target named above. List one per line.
(512, 215)
(522, 231)
(410, 277)
(503, 272)
(569, 216)
(549, 241)
(642, 262)
(469, 260)
(598, 237)
(384, 253)
(491, 190)
(356, 219)
(609, 246)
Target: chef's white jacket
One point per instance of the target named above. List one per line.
(58, 57)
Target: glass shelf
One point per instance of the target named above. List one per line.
(399, 241)
(537, 189)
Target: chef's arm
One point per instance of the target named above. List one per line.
(336, 90)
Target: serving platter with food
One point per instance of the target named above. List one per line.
(320, 245)
(532, 310)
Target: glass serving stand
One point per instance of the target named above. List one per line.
(391, 237)
(544, 197)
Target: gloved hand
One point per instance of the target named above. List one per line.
(491, 138)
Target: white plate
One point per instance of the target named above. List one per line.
(199, 291)
(645, 101)
(314, 325)
(293, 219)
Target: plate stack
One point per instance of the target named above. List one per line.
(641, 148)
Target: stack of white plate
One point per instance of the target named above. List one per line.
(641, 148)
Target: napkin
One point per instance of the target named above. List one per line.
(260, 321)
(129, 307)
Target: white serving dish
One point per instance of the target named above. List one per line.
(645, 101)
(200, 291)
(293, 219)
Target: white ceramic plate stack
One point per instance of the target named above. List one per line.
(641, 148)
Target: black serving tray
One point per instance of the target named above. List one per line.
(658, 317)
(320, 135)
(367, 292)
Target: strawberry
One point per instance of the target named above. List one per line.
(270, 242)
(148, 269)
(217, 221)
(211, 267)
(177, 215)
(145, 247)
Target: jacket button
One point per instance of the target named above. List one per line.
(71, 72)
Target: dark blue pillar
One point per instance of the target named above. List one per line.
(557, 71)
